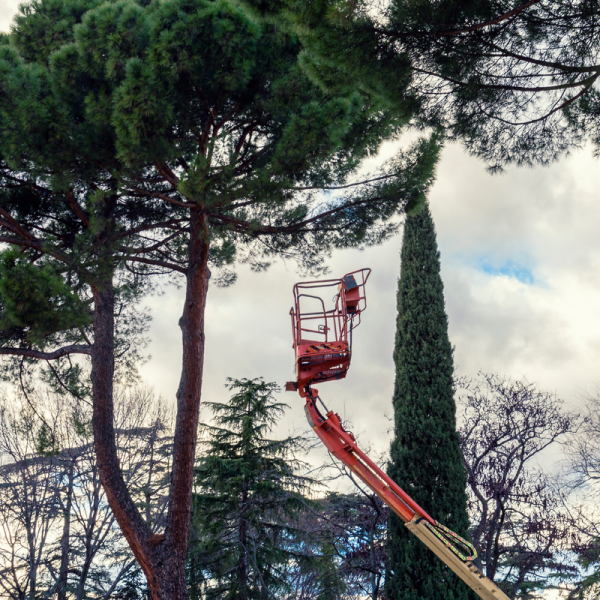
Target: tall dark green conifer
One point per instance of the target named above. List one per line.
(425, 456)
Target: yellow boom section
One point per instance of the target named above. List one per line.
(466, 570)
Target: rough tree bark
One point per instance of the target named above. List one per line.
(173, 550)
(133, 527)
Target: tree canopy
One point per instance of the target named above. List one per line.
(514, 81)
(177, 137)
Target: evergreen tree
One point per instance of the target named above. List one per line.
(141, 138)
(248, 492)
(426, 458)
(515, 81)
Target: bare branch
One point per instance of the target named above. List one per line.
(31, 353)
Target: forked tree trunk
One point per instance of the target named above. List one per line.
(132, 525)
(161, 557)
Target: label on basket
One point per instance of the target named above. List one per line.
(326, 347)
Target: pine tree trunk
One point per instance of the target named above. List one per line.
(132, 525)
(173, 551)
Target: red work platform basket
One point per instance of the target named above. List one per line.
(322, 336)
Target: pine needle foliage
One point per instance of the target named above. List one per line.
(516, 82)
(248, 492)
(426, 460)
(36, 301)
(173, 137)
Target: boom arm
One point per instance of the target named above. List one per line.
(434, 535)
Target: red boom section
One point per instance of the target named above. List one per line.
(439, 539)
(342, 445)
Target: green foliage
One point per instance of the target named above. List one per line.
(36, 299)
(46, 442)
(342, 51)
(81, 423)
(125, 125)
(426, 459)
(471, 67)
(248, 493)
(589, 562)
(331, 582)
(46, 290)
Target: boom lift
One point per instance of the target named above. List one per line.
(323, 349)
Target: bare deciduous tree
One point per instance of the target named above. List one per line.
(583, 496)
(350, 530)
(519, 527)
(58, 536)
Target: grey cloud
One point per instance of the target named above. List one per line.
(547, 332)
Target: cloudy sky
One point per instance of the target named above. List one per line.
(520, 263)
(521, 268)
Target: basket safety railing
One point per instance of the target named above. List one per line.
(335, 320)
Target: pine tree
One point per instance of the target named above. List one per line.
(248, 492)
(425, 455)
(146, 138)
(469, 66)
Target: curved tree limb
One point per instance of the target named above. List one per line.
(158, 263)
(60, 352)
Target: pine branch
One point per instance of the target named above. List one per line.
(495, 21)
(60, 352)
(158, 263)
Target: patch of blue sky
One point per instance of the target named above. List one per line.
(518, 271)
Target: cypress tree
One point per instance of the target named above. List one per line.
(425, 454)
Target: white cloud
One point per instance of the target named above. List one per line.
(544, 220)
(8, 9)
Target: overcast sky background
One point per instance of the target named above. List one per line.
(521, 268)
